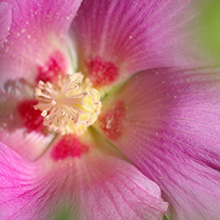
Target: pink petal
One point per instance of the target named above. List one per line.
(133, 35)
(169, 127)
(5, 21)
(98, 185)
(30, 145)
(37, 29)
(21, 126)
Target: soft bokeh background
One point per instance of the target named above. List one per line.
(210, 27)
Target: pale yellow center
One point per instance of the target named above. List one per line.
(70, 105)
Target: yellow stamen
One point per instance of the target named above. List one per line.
(69, 106)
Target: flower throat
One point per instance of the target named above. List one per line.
(68, 106)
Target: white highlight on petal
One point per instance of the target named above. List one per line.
(69, 106)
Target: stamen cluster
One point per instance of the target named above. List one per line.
(70, 105)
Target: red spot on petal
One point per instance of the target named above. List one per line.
(54, 67)
(31, 118)
(102, 72)
(68, 146)
(111, 121)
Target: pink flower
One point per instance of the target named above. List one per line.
(95, 121)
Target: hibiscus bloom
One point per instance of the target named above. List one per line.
(95, 122)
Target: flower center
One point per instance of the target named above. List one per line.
(70, 105)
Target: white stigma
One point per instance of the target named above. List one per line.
(69, 106)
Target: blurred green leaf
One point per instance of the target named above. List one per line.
(210, 23)
(165, 218)
(63, 215)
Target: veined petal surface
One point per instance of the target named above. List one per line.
(167, 123)
(133, 35)
(36, 29)
(97, 185)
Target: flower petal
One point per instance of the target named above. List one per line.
(167, 123)
(30, 145)
(21, 126)
(132, 35)
(97, 185)
(36, 30)
(5, 21)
